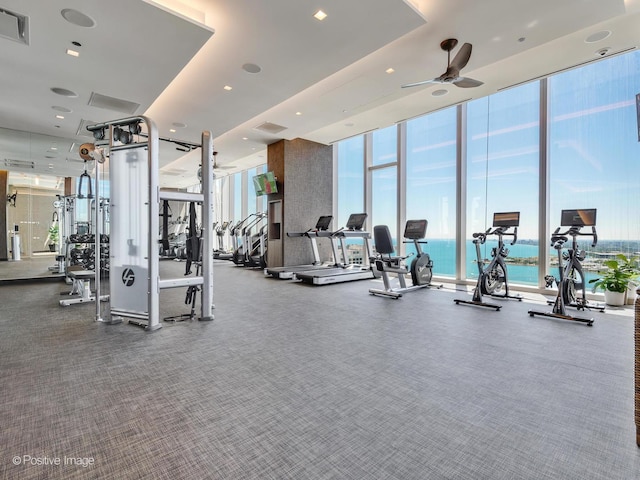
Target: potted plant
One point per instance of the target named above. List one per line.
(616, 279)
(54, 236)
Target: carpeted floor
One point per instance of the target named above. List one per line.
(299, 382)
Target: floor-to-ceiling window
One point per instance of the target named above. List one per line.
(503, 154)
(251, 192)
(350, 180)
(237, 197)
(589, 149)
(594, 154)
(431, 184)
(384, 179)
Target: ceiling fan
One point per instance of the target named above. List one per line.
(219, 167)
(452, 74)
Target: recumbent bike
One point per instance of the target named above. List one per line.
(421, 267)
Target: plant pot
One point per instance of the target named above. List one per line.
(52, 247)
(614, 299)
(631, 294)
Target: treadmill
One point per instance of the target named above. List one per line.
(321, 230)
(345, 271)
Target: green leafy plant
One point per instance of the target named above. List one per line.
(619, 274)
(54, 234)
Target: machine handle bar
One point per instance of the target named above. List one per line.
(575, 232)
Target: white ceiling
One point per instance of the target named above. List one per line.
(332, 72)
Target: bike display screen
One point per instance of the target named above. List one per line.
(506, 219)
(583, 217)
(415, 229)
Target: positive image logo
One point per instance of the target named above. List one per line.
(128, 277)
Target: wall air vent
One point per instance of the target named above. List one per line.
(111, 103)
(14, 26)
(269, 127)
(8, 162)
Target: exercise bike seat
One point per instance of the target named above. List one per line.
(557, 241)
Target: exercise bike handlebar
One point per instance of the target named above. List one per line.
(481, 237)
(559, 238)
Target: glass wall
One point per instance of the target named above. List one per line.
(590, 153)
(238, 213)
(350, 180)
(503, 175)
(251, 192)
(431, 185)
(594, 152)
(384, 180)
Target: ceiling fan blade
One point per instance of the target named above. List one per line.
(465, 82)
(424, 82)
(462, 57)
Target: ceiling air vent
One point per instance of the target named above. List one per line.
(270, 128)
(111, 103)
(14, 26)
(82, 128)
(8, 162)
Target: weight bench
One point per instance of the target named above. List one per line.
(81, 288)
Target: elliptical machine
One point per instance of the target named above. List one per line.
(421, 267)
(571, 277)
(493, 277)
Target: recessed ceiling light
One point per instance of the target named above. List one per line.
(77, 18)
(522, 39)
(58, 108)
(389, 70)
(179, 125)
(350, 124)
(245, 138)
(61, 117)
(228, 88)
(76, 44)
(64, 92)
(320, 15)
(440, 92)
(172, 130)
(298, 113)
(596, 37)
(251, 68)
(73, 53)
(53, 148)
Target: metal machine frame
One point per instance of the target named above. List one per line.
(121, 274)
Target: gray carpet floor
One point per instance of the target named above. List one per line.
(299, 382)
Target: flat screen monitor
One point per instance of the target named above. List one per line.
(356, 221)
(265, 184)
(415, 229)
(582, 217)
(324, 222)
(506, 219)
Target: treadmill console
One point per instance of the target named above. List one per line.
(356, 221)
(324, 222)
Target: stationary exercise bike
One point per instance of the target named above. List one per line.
(493, 278)
(421, 267)
(571, 277)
